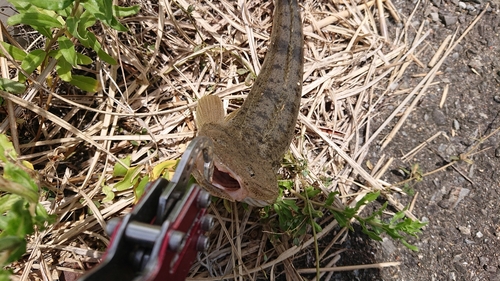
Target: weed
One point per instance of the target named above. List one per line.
(65, 24)
(21, 213)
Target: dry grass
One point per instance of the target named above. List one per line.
(169, 59)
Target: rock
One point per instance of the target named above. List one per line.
(496, 99)
(434, 17)
(438, 117)
(458, 195)
(462, 5)
(449, 20)
(456, 125)
(476, 64)
(465, 230)
(491, 268)
(497, 152)
(388, 246)
(436, 3)
(460, 268)
(479, 234)
(470, 8)
(483, 261)
(445, 204)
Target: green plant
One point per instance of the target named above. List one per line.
(374, 225)
(65, 24)
(294, 220)
(21, 213)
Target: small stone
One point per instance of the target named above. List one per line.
(445, 204)
(491, 268)
(436, 3)
(479, 234)
(464, 230)
(496, 99)
(455, 2)
(449, 20)
(476, 64)
(439, 117)
(434, 17)
(470, 8)
(459, 267)
(456, 125)
(483, 261)
(388, 245)
(497, 152)
(462, 5)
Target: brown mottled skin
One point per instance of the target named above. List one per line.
(249, 145)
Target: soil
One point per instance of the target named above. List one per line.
(460, 203)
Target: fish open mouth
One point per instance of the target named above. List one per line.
(225, 179)
(228, 181)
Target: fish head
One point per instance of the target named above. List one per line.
(240, 173)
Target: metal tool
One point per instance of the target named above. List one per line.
(160, 238)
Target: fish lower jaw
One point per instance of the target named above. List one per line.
(238, 194)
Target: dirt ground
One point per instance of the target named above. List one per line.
(461, 241)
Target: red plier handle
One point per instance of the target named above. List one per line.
(160, 238)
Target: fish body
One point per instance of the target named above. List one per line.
(250, 143)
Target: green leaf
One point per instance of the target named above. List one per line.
(52, 5)
(139, 190)
(317, 227)
(331, 198)
(63, 69)
(7, 149)
(20, 183)
(130, 179)
(21, 5)
(409, 246)
(42, 217)
(10, 242)
(35, 19)
(242, 71)
(312, 192)
(78, 26)
(90, 41)
(341, 219)
(33, 60)
(6, 202)
(116, 25)
(119, 170)
(11, 86)
(67, 50)
(19, 220)
(125, 11)
(369, 197)
(82, 59)
(108, 191)
(14, 52)
(85, 83)
(164, 169)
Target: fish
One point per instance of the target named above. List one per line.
(249, 144)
